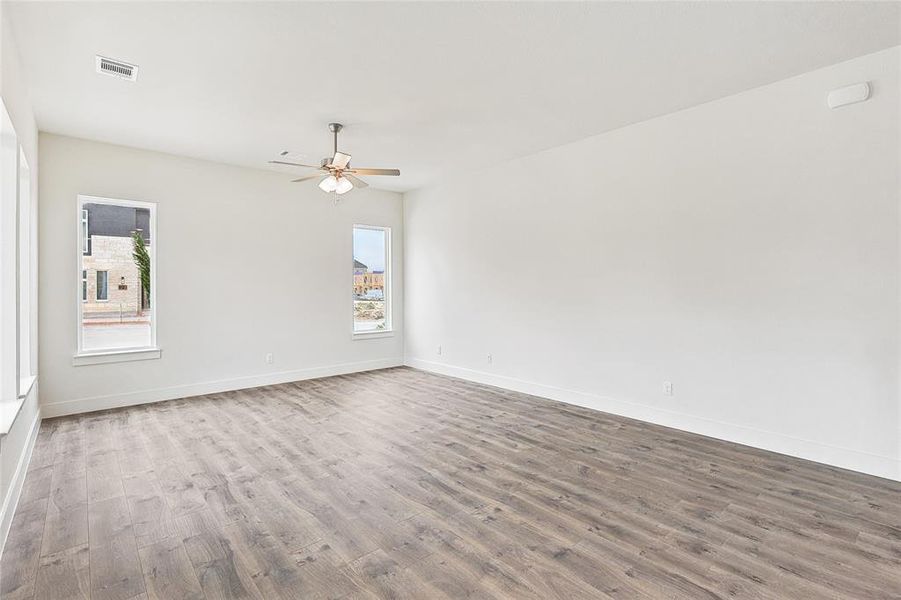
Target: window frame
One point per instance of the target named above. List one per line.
(26, 236)
(107, 355)
(11, 400)
(85, 233)
(388, 331)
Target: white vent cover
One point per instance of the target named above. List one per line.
(116, 68)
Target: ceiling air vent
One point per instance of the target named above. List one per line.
(117, 68)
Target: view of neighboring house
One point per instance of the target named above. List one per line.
(368, 284)
(369, 298)
(110, 280)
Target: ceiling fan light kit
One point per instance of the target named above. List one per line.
(344, 185)
(340, 177)
(329, 184)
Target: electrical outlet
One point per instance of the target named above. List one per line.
(269, 358)
(667, 388)
(489, 359)
(438, 351)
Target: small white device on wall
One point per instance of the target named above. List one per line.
(851, 94)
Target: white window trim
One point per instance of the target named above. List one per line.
(111, 355)
(25, 384)
(26, 251)
(115, 356)
(9, 416)
(389, 291)
(18, 357)
(373, 335)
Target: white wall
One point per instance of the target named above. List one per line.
(15, 446)
(248, 263)
(747, 250)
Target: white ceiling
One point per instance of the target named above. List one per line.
(425, 87)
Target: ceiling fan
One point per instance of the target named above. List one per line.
(339, 176)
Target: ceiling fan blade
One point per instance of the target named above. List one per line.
(306, 177)
(293, 164)
(359, 171)
(358, 183)
(340, 160)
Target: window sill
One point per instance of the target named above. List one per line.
(115, 356)
(25, 385)
(371, 335)
(8, 418)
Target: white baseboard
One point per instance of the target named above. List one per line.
(8, 509)
(846, 458)
(83, 405)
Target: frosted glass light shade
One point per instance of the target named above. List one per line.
(344, 185)
(329, 184)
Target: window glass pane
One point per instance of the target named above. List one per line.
(25, 274)
(8, 377)
(102, 290)
(370, 279)
(116, 313)
(84, 231)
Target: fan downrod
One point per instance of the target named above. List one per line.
(335, 128)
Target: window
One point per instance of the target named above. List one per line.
(27, 260)
(103, 285)
(9, 397)
(118, 319)
(371, 279)
(85, 234)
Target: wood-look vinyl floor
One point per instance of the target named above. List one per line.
(403, 484)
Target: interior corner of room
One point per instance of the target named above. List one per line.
(604, 292)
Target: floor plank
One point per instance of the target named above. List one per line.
(168, 571)
(65, 575)
(115, 568)
(21, 554)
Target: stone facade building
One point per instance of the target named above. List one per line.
(110, 279)
(368, 283)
